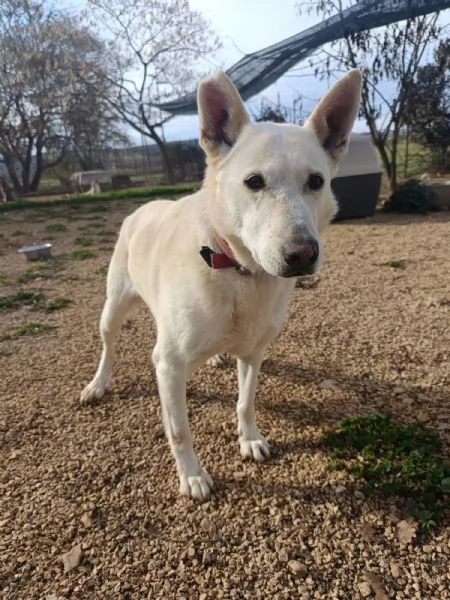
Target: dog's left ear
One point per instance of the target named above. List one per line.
(222, 114)
(333, 118)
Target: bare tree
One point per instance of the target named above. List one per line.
(46, 60)
(428, 106)
(93, 124)
(390, 58)
(154, 50)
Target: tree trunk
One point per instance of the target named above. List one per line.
(34, 184)
(9, 163)
(165, 157)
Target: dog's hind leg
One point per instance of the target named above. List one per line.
(172, 373)
(120, 300)
(252, 443)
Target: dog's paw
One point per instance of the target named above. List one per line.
(218, 360)
(93, 391)
(255, 449)
(197, 487)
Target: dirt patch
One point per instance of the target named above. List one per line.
(89, 504)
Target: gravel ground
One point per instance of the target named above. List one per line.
(89, 504)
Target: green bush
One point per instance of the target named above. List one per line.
(410, 197)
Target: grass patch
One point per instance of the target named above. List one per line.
(15, 301)
(84, 200)
(32, 275)
(93, 226)
(95, 208)
(28, 329)
(94, 218)
(5, 280)
(394, 459)
(19, 232)
(55, 228)
(58, 304)
(106, 239)
(81, 254)
(83, 241)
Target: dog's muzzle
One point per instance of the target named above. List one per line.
(300, 259)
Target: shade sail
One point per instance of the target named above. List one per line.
(255, 72)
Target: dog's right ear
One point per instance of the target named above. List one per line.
(222, 114)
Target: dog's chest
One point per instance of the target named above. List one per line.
(255, 316)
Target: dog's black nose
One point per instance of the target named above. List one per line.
(301, 258)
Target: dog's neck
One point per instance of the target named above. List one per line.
(221, 255)
(223, 259)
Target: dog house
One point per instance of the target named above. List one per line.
(83, 179)
(358, 181)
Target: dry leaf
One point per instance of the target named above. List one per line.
(72, 559)
(368, 532)
(377, 585)
(406, 531)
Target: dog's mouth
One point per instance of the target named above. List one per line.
(290, 272)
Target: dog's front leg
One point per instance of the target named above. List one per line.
(195, 482)
(251, 442)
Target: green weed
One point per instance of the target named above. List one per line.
(394, 459)
(31, 275)
(15, 301)
(29, 329)
(81, 254)
(55, 228)
(57, 304)
(83, 241)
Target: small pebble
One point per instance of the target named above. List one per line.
(364, 589)
(298, 568)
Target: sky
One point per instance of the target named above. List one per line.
(245, 26)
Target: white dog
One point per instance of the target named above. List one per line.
(217, 268)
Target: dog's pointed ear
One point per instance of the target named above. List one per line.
(222, 114)
(333, 118)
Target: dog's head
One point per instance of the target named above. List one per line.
(269, 184)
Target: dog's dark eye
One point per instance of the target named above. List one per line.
(315, 181)
(255, 182)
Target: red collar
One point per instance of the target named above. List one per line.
(222, 260)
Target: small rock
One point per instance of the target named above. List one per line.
(340, 489)
(423, 416)
(364, 589)
(395, 570)
(298, 568)
(406, 531)
(329, 384)
(86, 520)
(206, 558)
(283, 556)
(191, 552)
(359, 495)
(72, 559)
